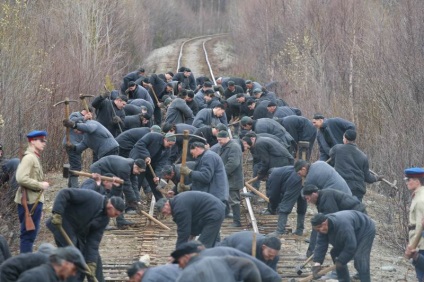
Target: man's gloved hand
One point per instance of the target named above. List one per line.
(184, 170)
(69, 123)
(181, 187)
(57, 219)
(116, 120)
(262, 176)
(380, 177)
(105, 94)
(315, 270)
(70, 147)
(92, 267)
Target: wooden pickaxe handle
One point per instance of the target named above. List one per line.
(152, 170)
(393, 185)
(322, 272)
(252, 180)
(254, 245)
(185, 151)
(154, 94)
(86, 174)
(250, 187)
(155, 220)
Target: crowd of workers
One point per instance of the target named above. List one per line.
(137, 138)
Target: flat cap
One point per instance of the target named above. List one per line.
(187, 69)
(318, 219)
(222, 134)
(170, 137)
(414, 172)
(155, 128)
(318, 116)
(197, 144)
(117, 203)
(185, 249)
(272, 104)
(245, 120)
(140, 163)
(207, 84)
(239, 95)
(160, 203)
(131, 83)
(257, 90)
(273, 243)
(350, 135)
(209, 91)
(221, 126)
(71, 254)
(231, 83)
(248, 81)
(167, 101)
(135, 267)
(166, 170)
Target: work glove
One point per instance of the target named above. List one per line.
(315, 270)
(69, 123)
(70, 147)
(184, 170)
(105, 95)
(262, 176)
(57, 219)
(181, 187)
(92, 268)
(116, 120)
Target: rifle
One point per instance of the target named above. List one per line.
(29, 223)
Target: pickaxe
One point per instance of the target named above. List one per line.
(184, 155)
(250, 187)
(67, 113)
(67, 171)
(140, 211)
(302, 145)
(152, 171)
(393, 185)
(113, 109)
(84, 102)
(299, 267)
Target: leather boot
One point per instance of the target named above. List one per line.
(281, 225)
(236, 216)
(300, 225)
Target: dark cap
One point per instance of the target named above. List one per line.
(247, 140)
(146, 80)
(257, 90)
(350, 135)
(187, 69)
(318, 219)
(170, 137)
(248, 81)
(117, 203)
(414, 172)
(141, 70)
(135, 267)
(167, 101)
(46, 248)
(299, 165)
(166, 170)
(239, 95)
(251, 102)
(209, 91)
(250, 134)
(197, 144)
(273, 243)
(160, 203)
(245, 120)
(71, 254)
(318, 116)
(309, 189)
(170, 84)
(221, 126)
(222, 134)
(123, 98)
(155, 128)
(36, 134)
(140, 163)
(131, 83)
(185, 249)
(207, 84)
(272, 104)
(231, 83)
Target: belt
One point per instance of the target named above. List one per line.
(411, 227)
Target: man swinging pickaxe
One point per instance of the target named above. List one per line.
(84, 101)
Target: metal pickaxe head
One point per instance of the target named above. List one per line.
(82, 97)
(303, 144)
(191, 135)
(66, 102)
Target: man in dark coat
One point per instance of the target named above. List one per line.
(110, 113)
(301, 129)
(209, 173)
(12, 268)
(157, 89)
(7, 171)
(224, 82)
(267, 273)
(351, 233)
(135, 91)
(199, 98)
(172, 172)
(223, 269)
(187, 78)
(232, 157)
(191, 103)
(154, 149)
(132, 76)
(210, 116)
(95, 136)
(142, 105)
(4, 250)
(322, 175)
(138, 272)
(352, 164)
(136, 121)
(330, 133)
(63, 265)
(284, 190)
(84, 215)
(232, 90)
(268, 151)
(209, 133)
(176, 151)
(267, 248)
(270, 126)
(329, 201)
(194, 213)
(128, 138)
(126, 169)
(179, 112)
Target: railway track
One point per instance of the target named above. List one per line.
(120, 248)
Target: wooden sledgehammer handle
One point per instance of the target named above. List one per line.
(86, 174)
(322, 272)
(250, 187)
(184, 155)
(155, 220)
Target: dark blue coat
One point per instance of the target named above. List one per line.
(331, 201)
(12, 268)
(206, 117)
(128, 138)
(162, 273)
(44, 272)
(330, 134)
(105, 111)
(284, 187)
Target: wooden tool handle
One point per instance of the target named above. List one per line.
(250, 187)
(254, 245)
(152, 170)
(86, 174)
(155, 220)
(184, 155)
(252, 180)
(322, 272)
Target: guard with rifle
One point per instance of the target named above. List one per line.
(29, 195)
